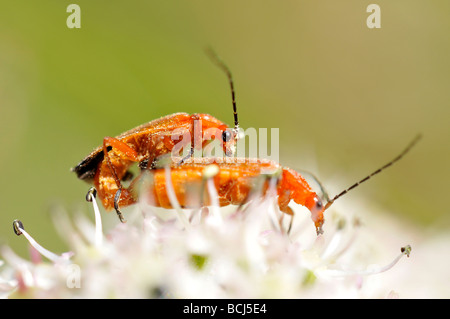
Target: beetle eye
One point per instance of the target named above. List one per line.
(226, 136)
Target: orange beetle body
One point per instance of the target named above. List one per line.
(107, 166)
(234, 181)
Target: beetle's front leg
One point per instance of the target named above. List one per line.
(111, 143)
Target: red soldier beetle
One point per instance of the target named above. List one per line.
(235, 180)
(108, 165)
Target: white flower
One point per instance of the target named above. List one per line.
(248, 252)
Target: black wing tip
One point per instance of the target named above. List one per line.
(87, 168)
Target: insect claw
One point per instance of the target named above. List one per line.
(120, 215)
(319, 230)
(291, 222)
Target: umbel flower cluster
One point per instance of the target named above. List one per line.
(252, 251)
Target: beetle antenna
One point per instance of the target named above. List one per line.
(215, 58)
(406, 150)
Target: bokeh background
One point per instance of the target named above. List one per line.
(346, 98)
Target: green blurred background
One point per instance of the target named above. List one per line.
(345, 97)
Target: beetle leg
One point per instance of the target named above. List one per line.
(154, 150)
(120, 146)
(290, 225)
(116, 205)
(290, 212)
(189, 155)
(129, 153)
(196, 136)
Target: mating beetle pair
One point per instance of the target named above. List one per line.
(108, 166)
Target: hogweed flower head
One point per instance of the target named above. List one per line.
(250, 251)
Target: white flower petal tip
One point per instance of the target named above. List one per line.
(91, 197)
(91, 194)
(17, 227)
(20, 230)
(406, 250)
